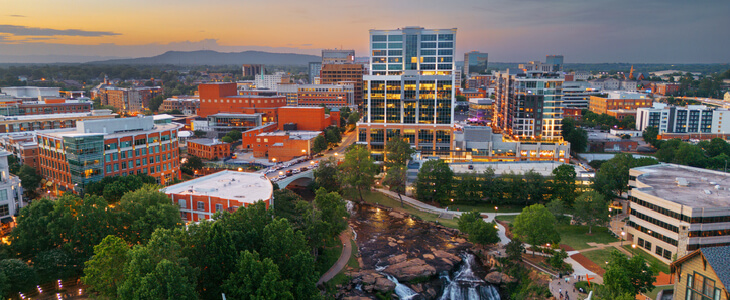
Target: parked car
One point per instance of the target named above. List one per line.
(295, 171)
(281, 177)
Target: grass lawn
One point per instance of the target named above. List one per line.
(508, 219)
(651, 259)
(576, 236)
(352, 263)
(328, 256)
(487, 208)
(379, 198)
(600, 256)
(652, 294)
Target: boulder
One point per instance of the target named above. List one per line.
(410, 269)
(392, 244)
(447, 257)
(397, 259)
(498, 278)
(428, 256)
(384, 285)
(396, 215)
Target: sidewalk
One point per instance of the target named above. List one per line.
(345, 238)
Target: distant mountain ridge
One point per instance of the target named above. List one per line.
(210, 57)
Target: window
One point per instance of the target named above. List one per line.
(4, 210)
(218, 207)
(701, 287)
(201, 206)
(182, 203)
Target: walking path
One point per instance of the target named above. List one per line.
(345, 237)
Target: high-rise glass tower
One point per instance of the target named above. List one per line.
(410, 90)
(475, 62)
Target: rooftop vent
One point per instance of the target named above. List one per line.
(717, 187)
(708, 192)
(682, 181)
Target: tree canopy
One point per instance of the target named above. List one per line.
(536, 226)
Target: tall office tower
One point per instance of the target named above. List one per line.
(576, 94)
(338, 56)
(314, 70)
(343, 74)
(556, 61)
(253, 69)
(475, 62)
(529, 105)
(410, 90)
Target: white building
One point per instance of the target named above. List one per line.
(270, 81)
(577, 94)
(688, 119)
(31, 92)
(11, 194)
(677, 209)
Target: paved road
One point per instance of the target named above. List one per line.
(345, 237)
(339, 151)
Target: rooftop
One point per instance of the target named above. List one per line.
(703, 188)
(207, 142)
(293, 134)
(59, 133)
(520, 168)
(239, 186)
(95, 113)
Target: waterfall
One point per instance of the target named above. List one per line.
(350, 206)
(401, 290)
(465, 285)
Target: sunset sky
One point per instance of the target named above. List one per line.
(509, 30)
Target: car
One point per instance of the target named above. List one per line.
(471, 167)
(303, 169)
(275, 179)
(295, 171)
(281, 177)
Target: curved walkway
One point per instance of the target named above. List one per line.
(345, 237)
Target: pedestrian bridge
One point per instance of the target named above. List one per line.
(303, 179)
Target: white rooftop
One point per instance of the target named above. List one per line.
(689, 186)
(519, 168)
(233, 185)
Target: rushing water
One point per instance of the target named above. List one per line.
(401, 290)
(465, 285)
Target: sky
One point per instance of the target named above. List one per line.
(584, 31)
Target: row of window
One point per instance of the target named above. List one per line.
(654, 221)
(399, 37)
(701, 288)
(200, 205)
(654, 234)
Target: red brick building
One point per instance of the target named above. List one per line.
(199, 199)
(344, 74)
(665, 88)
(23, 146)
(223, 98)
(574, 113)
(210, 149)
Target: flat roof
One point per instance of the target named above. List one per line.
(73, 132)
(293, 134)
(519, 168)
(56, 116)
(206, 142)
(239, 186)
(664, 180)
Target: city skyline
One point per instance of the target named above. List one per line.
(620, 31)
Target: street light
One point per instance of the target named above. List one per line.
(633, 248)
(623, 234)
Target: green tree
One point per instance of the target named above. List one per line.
(53, 264)
(257, 279)
(627, 276)
(591, 208)
(155, 102)
(514, 250)
(353, 118)
(32, 234)
(536, 226)
(4, 285)
(395, 179)
(578, 139)
(327, 175)
(535, 186)
(612, 178)
(650, 136)
(332, 135)
(199, 133)
(194, 163)
(227, 139)
(557, 208)
(434, 181)
(13, 164)
(319, 144)
(104, 272)
(29, 179)
(145, 210)
(628, 122)
(20, 276)
(564, 187)
(397, 152)
(479, 231)
(209, 248)
(358, 169)
(333, 209)
(558, 259)
(235, 135)
(167, 281)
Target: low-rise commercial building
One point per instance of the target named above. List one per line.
(677, 209)
(479, 143)
(50, 121)
(187, 105)
(199, 199)
(481, 110)
(284, 145)
(210, 149)
(618, 100)
(23, 145)
(69, 159)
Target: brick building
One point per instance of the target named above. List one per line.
(284, 145)
(223, 98)
(618, 100)
(210, 149)
(665, 88)
(133, 99)
(70, 159)
(188, 106)
(344, 74)
(199, 199)
(23, 146)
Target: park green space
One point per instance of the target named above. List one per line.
(664, 268)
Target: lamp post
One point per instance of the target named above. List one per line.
(623, 235)
(633, 248)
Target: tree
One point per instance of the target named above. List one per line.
(591, 208)
(479, 231)
(29, 179)
(434, 181)
(254, 278)
(32, 234)
(333, 209)
(650, 136)
(104, 272)
(514, 250)
(145, 210)
(227, 139)
(556, 207)
(20, 276)
(536, 226)
(397, 152)
(319, 144)
(167, 281)
(627, 276)
(628, 122)
(358, 169)
(209, 248)
(155, 102)
(194, 163)
(558, 259)
(13, 164)
(235, 135)
(578, 139)
(564, 187)
(535, 187)
(353, 118)
(395, 179)
(53, 264)
(332, 135)
(613, 177)
(199, 133)
(327, 175)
